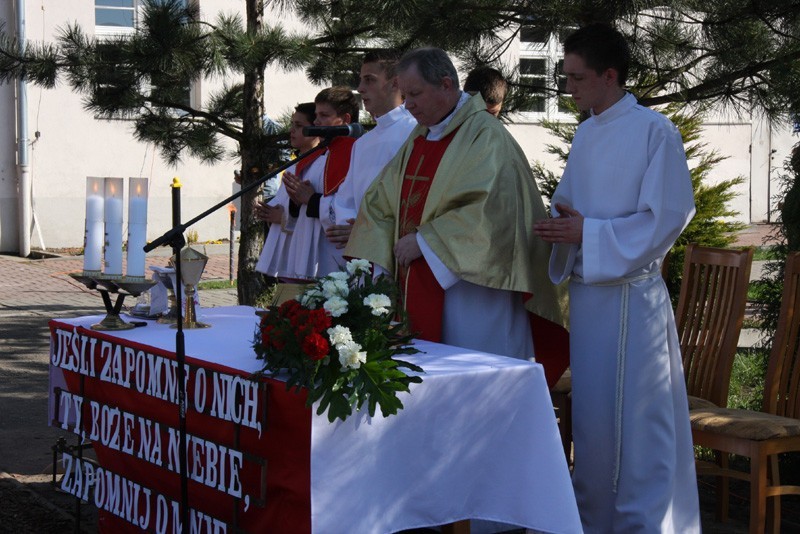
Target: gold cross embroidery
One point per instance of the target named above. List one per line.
(412, 199)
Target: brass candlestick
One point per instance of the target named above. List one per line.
(122, 287)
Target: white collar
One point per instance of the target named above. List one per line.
(435, 132)
(619, 108)
(387, 119)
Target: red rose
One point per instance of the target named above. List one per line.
(315, 346)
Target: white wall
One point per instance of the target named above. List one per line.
(283, 90)
(73, 145)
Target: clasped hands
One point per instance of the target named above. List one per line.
(300, 191)
(264, 212)
(566, 228)
(338, 234)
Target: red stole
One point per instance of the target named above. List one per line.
(423, 297)
(337, 163)
(306, 162)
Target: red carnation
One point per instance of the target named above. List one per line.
(277, 341)
(298, 319)
(319, 320)
(289, 308)
(315, 346)
(266, 334)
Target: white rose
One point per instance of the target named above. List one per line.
(336, 306)
(358, 266)
(351, 356)
(339, 335)
(379, 303)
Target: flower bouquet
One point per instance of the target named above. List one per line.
(339, 340)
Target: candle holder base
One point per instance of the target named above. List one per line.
(121, 286)
(112, 322)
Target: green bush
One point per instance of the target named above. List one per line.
(747, 379)
(784, 239)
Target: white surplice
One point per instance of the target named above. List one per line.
(634, 462)
(370, 155)
(310, 254)
(274, 257)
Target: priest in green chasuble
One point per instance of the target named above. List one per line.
(451, 217)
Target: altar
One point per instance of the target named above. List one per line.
(476, 439)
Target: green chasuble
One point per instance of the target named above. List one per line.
(478, 217)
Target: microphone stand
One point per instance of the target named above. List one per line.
(169, 236)
(174, 238)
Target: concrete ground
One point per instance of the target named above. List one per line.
(31, 293)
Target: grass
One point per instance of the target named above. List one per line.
(217, 284)
(747, 379)
(764, 253)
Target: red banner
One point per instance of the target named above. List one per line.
(248, 439)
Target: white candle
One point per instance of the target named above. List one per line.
(137, 225)
(113, 216)
(93, 234)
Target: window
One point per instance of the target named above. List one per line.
(533, 72)
(533, 34)
(114, 18)
(118, 14)
(541, 59)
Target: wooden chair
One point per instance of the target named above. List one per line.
(709, 317)
(761, 436)
(710, 313)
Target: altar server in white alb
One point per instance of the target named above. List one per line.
(310, 254)
(382, 99)
(624, 198)
(274, 259)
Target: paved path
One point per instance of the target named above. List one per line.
(31, 293)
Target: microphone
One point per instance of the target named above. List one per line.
(350, 130)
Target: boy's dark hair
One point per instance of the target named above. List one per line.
(488, 82)
(308, 109)
(341, 99)
(601, 47)
(386, 60)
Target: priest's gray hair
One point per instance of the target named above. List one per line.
(432, 63)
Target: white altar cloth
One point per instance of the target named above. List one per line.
(476, 439)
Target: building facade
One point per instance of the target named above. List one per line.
(65, 143)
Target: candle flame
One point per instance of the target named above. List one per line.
(138, 189)
(232, 208)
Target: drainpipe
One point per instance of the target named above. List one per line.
(23, 164)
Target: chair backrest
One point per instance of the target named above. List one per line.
(709, 317)
(781, 390)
